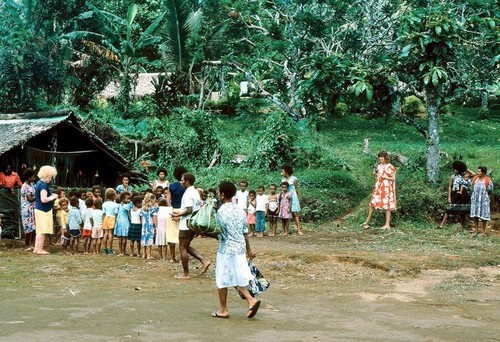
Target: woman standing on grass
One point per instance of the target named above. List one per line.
(384, 192)
(44, 201)
(28, 208)
(232, 267)
(480, 199)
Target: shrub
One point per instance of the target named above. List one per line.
(413, 106)
(326, 198)
(446, 110)
(483, 113)
(341, 109)
(274, 143)
(417, 200)
(188, 139)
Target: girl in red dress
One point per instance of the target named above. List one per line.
(384, 193)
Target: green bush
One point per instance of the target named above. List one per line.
(483, 113)
(447, 110)
(273, 143)
(326, 198)
(417, 200)
(341, 109)
(413, 106)
(188, 138)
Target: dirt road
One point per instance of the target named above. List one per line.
(317, 294)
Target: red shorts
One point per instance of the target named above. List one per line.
(87, 233)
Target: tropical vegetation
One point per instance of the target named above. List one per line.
(277, 81)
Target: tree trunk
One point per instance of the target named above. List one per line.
(484, 95)
(433, 101)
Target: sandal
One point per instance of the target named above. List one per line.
(216, 314)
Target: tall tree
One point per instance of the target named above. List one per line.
(430, 37)
(31, 60)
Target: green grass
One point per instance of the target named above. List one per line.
(336, 179)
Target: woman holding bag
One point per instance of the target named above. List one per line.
(232, 268)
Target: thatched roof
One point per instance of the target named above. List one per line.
(17, 129)
(143, 87)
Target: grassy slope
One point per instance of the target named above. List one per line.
(477, 142)
(414, 244)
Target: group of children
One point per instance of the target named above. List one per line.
(259, 205)
(142, 220)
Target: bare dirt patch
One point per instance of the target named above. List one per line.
(324, 286)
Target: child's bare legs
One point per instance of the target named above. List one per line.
(147, 252)
(138, 246)
(160, 251)
(443, 222)
(97, 245)
(251, 230)
(284, 224)
(86, 245)
(105, 240)
(74, 245)
(296, 217)
(273, 222)
(485, 224)
(171, 246)
(111, 238)
(122, 244)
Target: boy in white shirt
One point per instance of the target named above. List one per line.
(261, 209)
(242, 195)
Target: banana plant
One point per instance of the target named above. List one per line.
(119, 44)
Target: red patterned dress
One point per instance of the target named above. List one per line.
(384, 192)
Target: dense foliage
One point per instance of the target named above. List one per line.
(294, 65)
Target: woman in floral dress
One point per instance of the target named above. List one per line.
(28, 208)
(232, 267)
(384, 192)
(480, 199)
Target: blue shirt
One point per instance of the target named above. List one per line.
(176, 192)
(110, 208)
(41, 185)
(74, 219)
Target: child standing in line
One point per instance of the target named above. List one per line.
(96, 192)
(159, 193)
(261, 209)
(87, 225)
(148, 228)
(293, 188)
(123, 221)
(54, 238)
(74, 224)
(134, 231)
(62, 222)
(96, 219)
(285, 213)
(242, 195)
(160, 222)
(110, 209)
(251, 213)
(273, 209)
